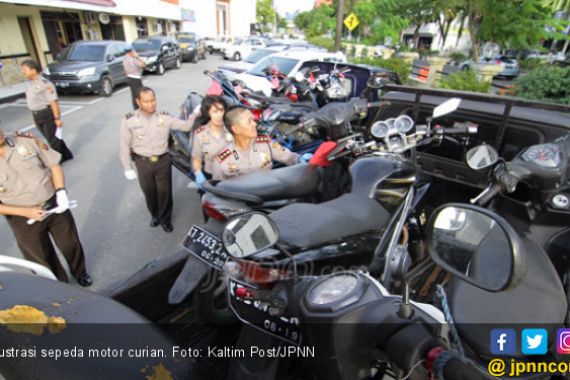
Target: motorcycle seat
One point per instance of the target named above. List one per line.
(296, 181)
(538, 299)
(306, 225)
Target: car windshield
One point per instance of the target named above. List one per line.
(187, 39)
(258, 55)
(83, 53)
(140, 45)
(285, 65)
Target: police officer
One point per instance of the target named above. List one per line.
(134, 67)
(144, 139)
(31, 182)
(250, 152)
(41, 98)
(210, 138)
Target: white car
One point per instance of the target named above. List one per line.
(242, 48)
(288, 62)
(220, 43)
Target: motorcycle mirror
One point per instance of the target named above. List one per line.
(476, 245)
(249, 234)
(446, 107)
(481, 157)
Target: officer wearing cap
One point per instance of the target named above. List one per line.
(250, 152)
(134, 67)
(41, 99)
(32, 182)
(144, 140)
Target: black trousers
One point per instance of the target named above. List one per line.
(46, 124)
(35, 244)
(155, 179)
(134, 84)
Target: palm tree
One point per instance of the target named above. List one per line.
(560, 6)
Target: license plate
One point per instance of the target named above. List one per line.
(206, 247)
(256, 314)
(62, 84)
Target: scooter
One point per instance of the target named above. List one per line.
(347, 325)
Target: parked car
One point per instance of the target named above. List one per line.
(242, 48)
(287, 62)
(510, 65)
(89, 66)
(158, 53)
(191, 47)
(219, 44)
(259, 54)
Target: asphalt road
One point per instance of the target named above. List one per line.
(111, 217)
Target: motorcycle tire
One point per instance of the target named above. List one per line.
(211, 300)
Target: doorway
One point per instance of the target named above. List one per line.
(28, 36)
(62, 29)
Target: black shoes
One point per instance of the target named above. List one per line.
(154, 222)
(167, 227)
(84, 280)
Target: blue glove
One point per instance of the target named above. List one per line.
(200, 178)
(305, 158)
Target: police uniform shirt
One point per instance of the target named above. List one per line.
(40, 93)
(206, 145)
(148, 136)
(232, 162)
(131, 68)
(25, 175)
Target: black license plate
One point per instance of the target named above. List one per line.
(255, 313)
(206, 247)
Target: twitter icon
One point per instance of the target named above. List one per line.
(534, 341)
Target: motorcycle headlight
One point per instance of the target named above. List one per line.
(334, 292)
(335, 92)
(86, 72)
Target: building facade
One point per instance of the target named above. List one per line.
(40, 29)
(215, 18)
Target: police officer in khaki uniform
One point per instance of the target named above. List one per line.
(134, 67)
(41, 98)
(31, 182)
(144, 139)
(250, 152)
(209, 139)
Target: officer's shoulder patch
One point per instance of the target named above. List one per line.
(25, 134)
(224, 154)
(263, 139)
(129, 115)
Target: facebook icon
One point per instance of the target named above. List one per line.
(503, 342)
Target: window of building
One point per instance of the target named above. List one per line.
(142, 27)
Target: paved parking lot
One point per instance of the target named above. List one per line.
(111, 217)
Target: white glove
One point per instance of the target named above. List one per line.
(130, 174)
(197, 109)
(59, 133)
(62, 201)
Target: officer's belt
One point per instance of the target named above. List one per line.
(153, 158)
(35, 113)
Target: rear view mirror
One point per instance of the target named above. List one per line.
(109, 58)
(446, 107)
(476, 245)
(481, 157)
(249, 234)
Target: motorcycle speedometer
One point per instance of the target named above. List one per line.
(404, 123)
(334, 292)
(380, 129)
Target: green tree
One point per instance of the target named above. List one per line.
(265, 12)
(282, 23)
(316, 22)
(560, 6)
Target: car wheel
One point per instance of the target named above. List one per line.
(177, 64)
(237, 56)
(195, 58)
(106, 87)
(160, 69)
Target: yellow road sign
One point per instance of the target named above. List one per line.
(351, 21)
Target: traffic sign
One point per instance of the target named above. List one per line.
(351, 21)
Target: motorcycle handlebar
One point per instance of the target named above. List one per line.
(379, 103)
(487, 194)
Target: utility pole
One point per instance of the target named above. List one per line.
(339, 20)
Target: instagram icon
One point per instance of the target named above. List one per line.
(563, 341)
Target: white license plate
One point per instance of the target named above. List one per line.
(62, 84)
